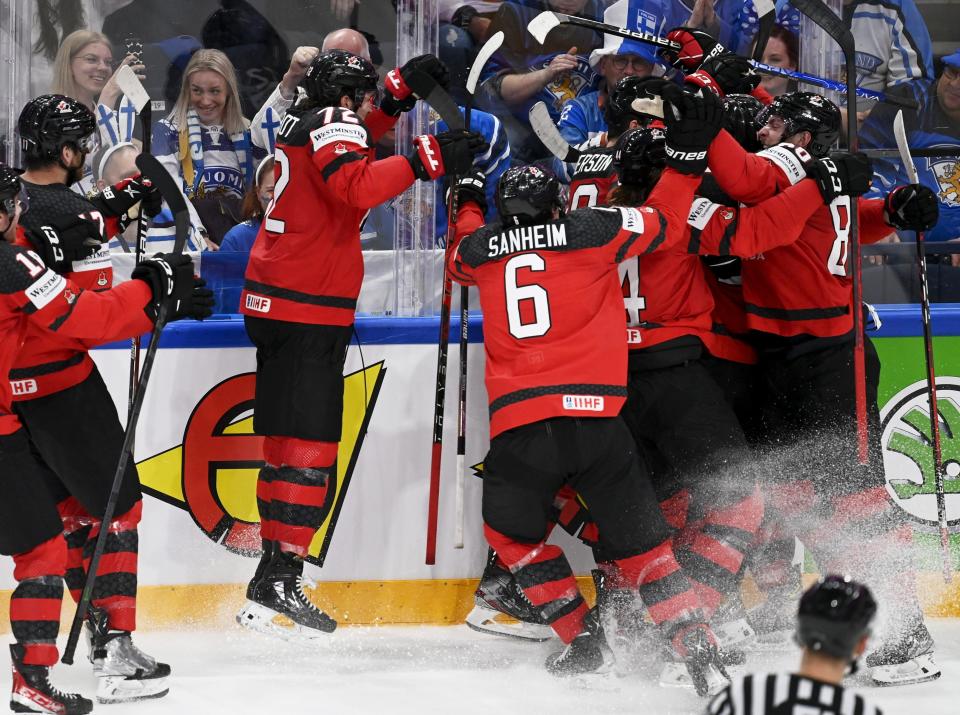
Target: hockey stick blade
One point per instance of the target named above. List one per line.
(130, 85)
(541, 25)
(831, 24)
(900, 133)
(766, 16)
(151, 168)
(547, 132)
(483, 56)
(427, 89)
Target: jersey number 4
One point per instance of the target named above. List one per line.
(531, 294)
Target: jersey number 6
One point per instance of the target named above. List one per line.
(531, 292)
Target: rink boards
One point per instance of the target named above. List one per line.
(198, 461)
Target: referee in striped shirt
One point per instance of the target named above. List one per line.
(833, 624)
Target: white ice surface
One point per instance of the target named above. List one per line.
(416, 670)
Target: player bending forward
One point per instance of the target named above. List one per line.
(300, 296)
(833, 625)
(556, 376)
(32, 296)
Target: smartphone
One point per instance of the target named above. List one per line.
(134, 46)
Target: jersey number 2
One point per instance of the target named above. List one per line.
(534, 292)
(276, 225)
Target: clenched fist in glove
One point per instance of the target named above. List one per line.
(399, 97)
(693, 120)
(725, 74)
(472, 186)
(842, 174)
(65, 239)
(912, 207)
(447, 153)
(118, 199)
(695, 47)
(170, 277)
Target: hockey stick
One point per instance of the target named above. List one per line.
(547, 132)
(473, 77)
(934, 153)
(546, 21)
(900, 132)
(766, 16)
(835, 28)
(424, 87)
(153, 170)
(131, 87)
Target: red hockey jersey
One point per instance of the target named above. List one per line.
(553, 313)
(802, 288)
(593, 176)
(50, 362)
(35, 301)
(306, 265)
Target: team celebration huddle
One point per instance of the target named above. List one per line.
(676, 365)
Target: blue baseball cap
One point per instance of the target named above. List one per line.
(952, 60)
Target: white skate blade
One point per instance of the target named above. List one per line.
(261, 619)
(676, 675)
(734, 634)
(124, 689)
(489, 620)
(916, 670)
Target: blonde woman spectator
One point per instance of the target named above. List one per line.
(84, 70)
(205, 143)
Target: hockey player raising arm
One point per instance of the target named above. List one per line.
(31, 528)
(300, 295)
(556, 376)
(833, 625)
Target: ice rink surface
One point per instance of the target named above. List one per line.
(451, 670)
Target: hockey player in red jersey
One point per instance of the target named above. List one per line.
(300, 295)
(53, 378)
(555, 369)
(799, 304)
(34, 298)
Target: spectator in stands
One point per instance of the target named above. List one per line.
(83, 69)
(582, 117)
(782, 50)
(205, 143)
(463, 28)
(936, 125)
(524, 72)
(240, 238)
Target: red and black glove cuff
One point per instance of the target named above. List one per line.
(701, 78)
(427, 159)
(396, 85)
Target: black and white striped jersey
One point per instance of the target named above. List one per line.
(787, 694)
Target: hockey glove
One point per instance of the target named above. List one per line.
(725, 74)
(695, 47)
(65, 239)
(692, 120)
(399, 97)
(842, 174)
(912, 207)
(172, 281)
(447, 153)
(118, 199)
(471, 187)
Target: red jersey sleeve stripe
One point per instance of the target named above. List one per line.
(798, 313)
(334, 166)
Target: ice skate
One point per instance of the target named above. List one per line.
(33, 693)
(904, 659)
(733, 630)
(774, 620)
(695, 662)
(278, 604)
(500, 608)
(124, 672)
(586, 654)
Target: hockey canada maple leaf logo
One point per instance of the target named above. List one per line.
(908, 452)
(213, 473)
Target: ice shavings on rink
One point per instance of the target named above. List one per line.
(401, 670)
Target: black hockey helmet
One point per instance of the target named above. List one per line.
(629, 100)
(806, 112)
(740, 112)
(640, 155)
(527, 195)
(834, 614)
(9, 188)
(336, 73)
(52, 120)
